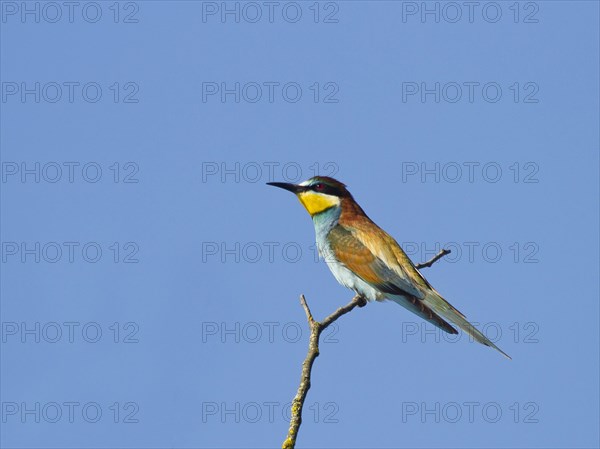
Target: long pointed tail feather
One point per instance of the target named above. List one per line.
(443, 308)
(419, 308)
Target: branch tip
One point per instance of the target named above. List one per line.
(433, 260)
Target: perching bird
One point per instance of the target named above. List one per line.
(366, 259)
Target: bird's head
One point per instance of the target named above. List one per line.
(317, 194)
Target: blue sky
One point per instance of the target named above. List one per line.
(150, 279)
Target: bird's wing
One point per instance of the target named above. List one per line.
(356, 256)
(383, 248)
(350, 251)
(386, 249)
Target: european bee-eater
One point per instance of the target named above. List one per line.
(366, 259)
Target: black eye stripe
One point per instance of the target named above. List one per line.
(324, 188)
(327, 186)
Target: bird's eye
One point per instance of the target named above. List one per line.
(320, 187)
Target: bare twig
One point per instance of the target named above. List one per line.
(433, 260)
(313, 352)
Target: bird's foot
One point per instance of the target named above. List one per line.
(361, 301)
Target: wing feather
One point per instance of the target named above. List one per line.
(356, 256)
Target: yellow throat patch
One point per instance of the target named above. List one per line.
(317, 202)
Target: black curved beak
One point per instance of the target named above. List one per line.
(286, 186)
